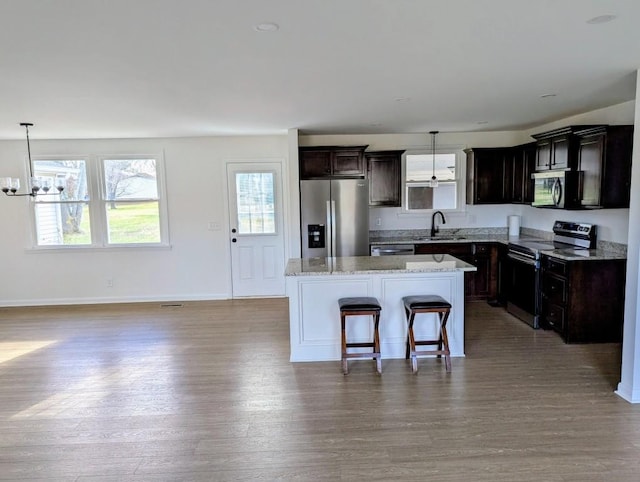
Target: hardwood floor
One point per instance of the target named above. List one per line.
(205, 392)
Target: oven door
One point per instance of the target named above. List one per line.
(523, 299)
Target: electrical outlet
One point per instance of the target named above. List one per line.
(109, 282)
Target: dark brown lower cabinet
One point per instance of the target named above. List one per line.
(583, 300)
(480, 284)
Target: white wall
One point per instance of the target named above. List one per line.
(197, 266)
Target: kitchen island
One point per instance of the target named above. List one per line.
(314, 286)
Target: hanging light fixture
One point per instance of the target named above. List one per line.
(434, 179)
(39, 186)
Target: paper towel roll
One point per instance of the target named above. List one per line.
(513, 221)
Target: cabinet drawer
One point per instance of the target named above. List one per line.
(554, 290)
(554, 316)
(481, 249)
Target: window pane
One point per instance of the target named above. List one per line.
(131, 223)
(130, 179)
(62, 224)
(420, 196)
(420, 167)
(255, 203)
(72, 174)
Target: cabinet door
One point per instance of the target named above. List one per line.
(616, 168)
(560, 152)
(528, 166)
(489, 176)
(590, 157)
(348, 163)
(482, 284)
(383, 171)
(521, 185)
(315, 164)
(543, 154)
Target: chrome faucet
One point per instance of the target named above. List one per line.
(434, 228)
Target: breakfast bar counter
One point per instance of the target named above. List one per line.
(314, 286)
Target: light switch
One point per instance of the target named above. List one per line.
(214, 226)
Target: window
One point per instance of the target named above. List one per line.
(419, 168)
(105, 202)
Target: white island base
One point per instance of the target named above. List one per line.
(315, 285)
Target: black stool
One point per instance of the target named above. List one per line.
(362, 305)
(414, 305)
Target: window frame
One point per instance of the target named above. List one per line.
(459, 180)
(96, 187)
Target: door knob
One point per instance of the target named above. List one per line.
(233, 230)
(233, 240)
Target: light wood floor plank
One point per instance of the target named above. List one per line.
(205, 392)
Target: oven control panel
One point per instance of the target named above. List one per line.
(584, 231)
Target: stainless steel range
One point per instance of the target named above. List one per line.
(523, 280)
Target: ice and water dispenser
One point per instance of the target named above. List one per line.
(316, 235)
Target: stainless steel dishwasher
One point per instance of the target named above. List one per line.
(391, 249)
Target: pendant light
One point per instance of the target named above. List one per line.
(434, 180)
(39, 186)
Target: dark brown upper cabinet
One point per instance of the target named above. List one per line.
(324, 162)
(520, 166)
(604, 157)
(486, 175)
(385, 183)
(558, 149)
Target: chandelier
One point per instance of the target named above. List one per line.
(40, 186)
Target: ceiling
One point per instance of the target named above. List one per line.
(166, 68)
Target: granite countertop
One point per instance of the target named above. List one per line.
(421, 263)
(613, 250)
(584, 254)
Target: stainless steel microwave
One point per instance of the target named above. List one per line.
(557, 189)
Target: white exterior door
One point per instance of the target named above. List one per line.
(256, 229)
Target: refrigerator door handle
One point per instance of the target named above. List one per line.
(334, 246)
(329, 232)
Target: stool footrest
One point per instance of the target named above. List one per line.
(427, 342)
(361, 345)
(362, 355)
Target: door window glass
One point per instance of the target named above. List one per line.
(255, 199)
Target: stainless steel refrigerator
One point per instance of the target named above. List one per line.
(335, 217)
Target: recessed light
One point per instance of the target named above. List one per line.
(482, 122)
(546, 96)
(266, 27)
(601, 19)
(402, 99)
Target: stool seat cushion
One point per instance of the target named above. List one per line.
(359, 303)
(425, 302)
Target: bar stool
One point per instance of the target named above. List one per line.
(356, 306)
(414, 305)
